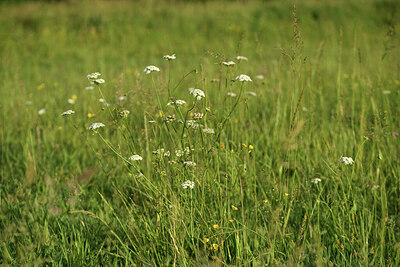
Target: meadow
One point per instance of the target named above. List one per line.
(294, 163)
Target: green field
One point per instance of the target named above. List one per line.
(265, 160)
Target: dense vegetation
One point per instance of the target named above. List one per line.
(266, 158)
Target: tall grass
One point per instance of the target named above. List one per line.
(330, 88)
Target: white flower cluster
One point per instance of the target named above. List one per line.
(135, 158)
(42, 111)
(228, 63)
(188, 184)
(197, 93)
(150, 69)
(189, 163)
(346, 161)
(176, 102)
(315, 180)
(241, 58)
(232, 94)
(68, 112)
(209, 131)
(93, 77)
(168, 57)
(192, 124)
(243, 78)
(96, 125)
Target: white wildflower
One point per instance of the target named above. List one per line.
(192, 124)
(88, 88)
(179, 153)
(250, 93)
(346, 160)
(197, 93)
(99, 81)
(135, 158)
(150, 69)
(232, 94)
(315, 180)
(93, 75)
(228, 63)
(71, 101)
(208, 130)
(122, 98)
(189, 163)
(151, 122)
(96, 125)
(42, 111)
(124, 113)
(188, 184)
(260, 77)
(28, 102)
(169, 57)
(167, 154)
(180, 102)
(68, 112)
(243, 78)
(241, 58)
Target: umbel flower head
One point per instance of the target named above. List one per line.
(346, 161)
(99, 81)
(135, 158)
(93, 75)
(68, 112)
(241, 58)
(228, 63)
(150, 69)
(243, 78)
(187, 184)
(197, 93)
(168, 57)
(96, 125)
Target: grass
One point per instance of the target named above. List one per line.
(71, 196)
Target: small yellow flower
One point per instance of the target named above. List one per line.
(265, 200)
(222, 145)
(215, 246)
(236, 120)
(234, 208)
(91, 115)
(123, 127)
(74, 97)
(231, 220)
(251, 147)
(215, 226)
(205, 239)
(59, 127)
(160, 113)
(41, 86)
(191, 114)
(286, 194)
(232, 151)
(244, 145)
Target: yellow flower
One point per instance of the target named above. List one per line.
(74, 97)
(234, 208)
(236, 120)
(222, 145)
(251, 147)
(265, 200)
(205, 239)
(91, 115)
(191, 114)
(231, 220)
(286, 194)
(215, 246)
(59, 127)
(244, 145)
(123, 127)
(41, 86)
(232, 151)
(215, 226)
(160, 113)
